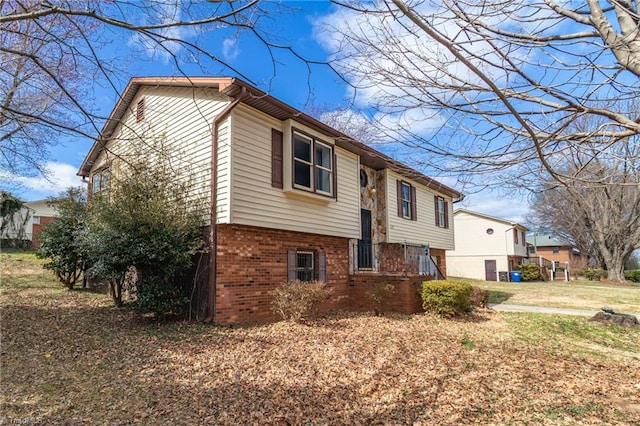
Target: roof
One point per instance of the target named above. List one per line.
(547, 241)
(266, 103)
(492, 218)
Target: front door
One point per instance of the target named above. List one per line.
(490, 270)
(365, 246)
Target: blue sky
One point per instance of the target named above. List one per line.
(293, 81)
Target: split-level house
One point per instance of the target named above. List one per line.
(556, 250)
(485, 246)
(292, 198)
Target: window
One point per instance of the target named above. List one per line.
(36, 220)
(406, 194)
(489, 231)
(532, 249)
(524, 240)
(442, 212)
(515, 236)
(556, 250)
(140, 111)
(306, 265)
(100, 181)
(313, 164)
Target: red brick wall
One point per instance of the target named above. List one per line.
(252, 262)
(405, 299)
(37, 228)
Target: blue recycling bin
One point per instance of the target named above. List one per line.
(516, 276)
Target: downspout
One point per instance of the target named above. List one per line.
(213, 226)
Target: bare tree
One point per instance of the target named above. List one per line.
(501, 81)
(53, 53)
(599, 210)
(503, 85)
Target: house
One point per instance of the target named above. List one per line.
(292, 197)
(16, 229)
(41, 214)
(556, 250)
(485, 246)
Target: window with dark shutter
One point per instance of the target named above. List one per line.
(277, 162)
(441, 212)
(515, 236)
(406, 200)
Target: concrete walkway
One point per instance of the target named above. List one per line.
(504, 307)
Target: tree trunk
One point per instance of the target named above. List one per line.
(115, 288)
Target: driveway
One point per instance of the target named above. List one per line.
(505, 307)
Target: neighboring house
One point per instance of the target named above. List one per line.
(485, 246)
(42, 213)
(556, 250)
(295, 198)
(16, 230)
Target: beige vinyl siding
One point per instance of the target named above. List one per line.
(255, 202)
(423, 230)
(179, 119)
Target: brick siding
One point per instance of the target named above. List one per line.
(405, 299)
(37, 228)
(252, 262)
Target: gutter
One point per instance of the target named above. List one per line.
(213, 226)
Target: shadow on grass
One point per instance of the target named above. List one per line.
(499, 296)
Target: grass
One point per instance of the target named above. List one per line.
(588, 295)
(69, 357)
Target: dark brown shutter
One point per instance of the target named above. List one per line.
(335, 176)
(414, 208)
(446, 214)
(277, 162)
(515, 236)
(292, 265)
(399, 190)
(322, 267)
(435, 204)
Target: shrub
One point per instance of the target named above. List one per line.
(297, 299)
(530, 272)
(479, 297)
(158, 296)
(446, 297)
(61, 241)
(632, 276)
(593, 274)
(381, 295)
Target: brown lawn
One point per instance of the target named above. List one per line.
(71, 358)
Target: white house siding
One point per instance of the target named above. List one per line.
(181, 118)
(473, 245)
(255, 202)
(420, 231)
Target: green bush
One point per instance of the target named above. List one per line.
(530, 272)
(594, 274)
(158, 296)
(381, 297)
(297, 299)
(632, 275)
(446, 297)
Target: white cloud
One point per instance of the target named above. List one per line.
(230, 49)
(493, 203)
(60, 176)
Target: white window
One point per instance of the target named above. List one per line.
(312, 164)
(100, 181)
(36, 220)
